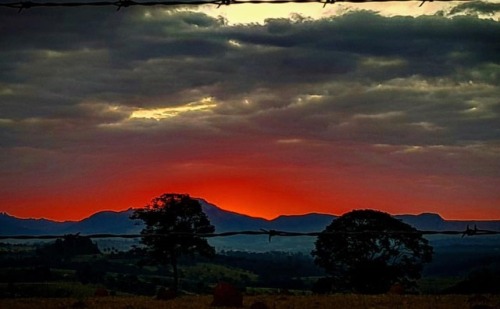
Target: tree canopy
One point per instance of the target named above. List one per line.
(171, 222)
(68, 247)
(367, 251)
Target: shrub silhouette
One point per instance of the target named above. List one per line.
(367, 251)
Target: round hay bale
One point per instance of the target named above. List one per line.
(226, 295)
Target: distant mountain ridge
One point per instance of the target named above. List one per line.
(119, 222)
(224, 220)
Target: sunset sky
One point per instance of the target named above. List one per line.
(259, 109)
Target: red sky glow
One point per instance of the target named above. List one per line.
(290, 115)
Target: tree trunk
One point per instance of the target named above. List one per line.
(175, 286)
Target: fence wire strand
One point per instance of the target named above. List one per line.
(24, 5)
(270, 233)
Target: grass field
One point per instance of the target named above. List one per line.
(273, 302)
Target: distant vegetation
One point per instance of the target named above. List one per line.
(24, 272)
(68, 247)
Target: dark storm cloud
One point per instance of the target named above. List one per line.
(73, 77)
(93, 53)
(426, 42)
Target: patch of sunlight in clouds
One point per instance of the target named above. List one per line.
(421, 84)
(158, 114)
(303, 100)
(484, 108)
(290, 141)
(257, 14)
(427, 126)
(380, 116)
(439, 149)
(235, 43)
(411, 149)
(4, 121)
(6, 91)
(382, 62)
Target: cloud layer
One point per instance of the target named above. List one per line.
(359, 110)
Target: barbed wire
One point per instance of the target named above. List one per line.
(270, 233)
(24, 5)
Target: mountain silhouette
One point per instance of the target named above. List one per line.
(106, 222)
(119, 222)
(224, 221)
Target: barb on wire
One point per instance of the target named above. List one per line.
(270, 233)
(423, 1)
(124, 3)
(328, 2)
(23, 5)
(224, 2)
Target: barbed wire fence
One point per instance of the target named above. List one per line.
(270, 233)
(24, 5)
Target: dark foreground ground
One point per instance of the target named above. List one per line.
(272, 302)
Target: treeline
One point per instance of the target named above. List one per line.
(128, 272)
(26, 268)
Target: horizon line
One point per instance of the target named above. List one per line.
(248, 215)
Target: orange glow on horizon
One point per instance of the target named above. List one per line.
(260, 187)
(249, 196)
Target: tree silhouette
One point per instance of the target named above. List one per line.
(68, 247)
(167, 215)
(367, 251)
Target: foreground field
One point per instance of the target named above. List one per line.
(273, 302)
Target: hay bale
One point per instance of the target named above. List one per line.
(165, 294)
(396, 289)
(226, 295)
(101, 292)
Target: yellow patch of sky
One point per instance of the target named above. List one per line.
(158, 114)
(235, 43)
(251, 13)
